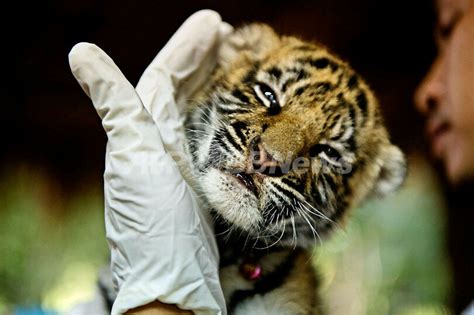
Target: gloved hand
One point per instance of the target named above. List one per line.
(162, 245)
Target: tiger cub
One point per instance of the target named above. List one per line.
(285, 139)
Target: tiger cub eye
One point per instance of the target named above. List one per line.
(329, 151)
(268, 97)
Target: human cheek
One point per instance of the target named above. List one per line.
(460, 98)
(460, 74)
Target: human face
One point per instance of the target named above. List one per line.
(446, 95)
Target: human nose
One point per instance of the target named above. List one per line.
(431, 91)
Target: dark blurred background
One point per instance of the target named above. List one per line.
(53, 150)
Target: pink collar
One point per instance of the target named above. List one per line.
(250, 271)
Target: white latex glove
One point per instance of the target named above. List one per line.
(162, 245)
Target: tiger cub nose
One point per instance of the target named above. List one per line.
(263, 162)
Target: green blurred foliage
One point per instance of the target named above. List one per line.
(390, 257)
(37, 244)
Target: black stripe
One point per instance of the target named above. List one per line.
(275, 72)
(216, 151)
(228, 111)
(322, 87)
(325, 189)
(320, 63)
(351, 142)
(341, 101)
(333, 123)
(318, 89)
(302, 75)
(232, 141)
(250, 75)
(353, 82)
(266, 283)
(298, 186)
(352, 115)
(300, 90)
(285, 192)
(218, 142)
(335, 120)
(281, 205)
(353, 119)
(238, 127)
(362, 102)
(192, 143)
(240, 95)
(339, 135)
(225, 110)
(287, 84)
(315, 192)
(330, 181)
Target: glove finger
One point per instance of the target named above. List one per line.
(124, 118)
(139, 174)
(178, 70)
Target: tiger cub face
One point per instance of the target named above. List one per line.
(287, 138)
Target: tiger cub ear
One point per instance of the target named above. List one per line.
(392, 170)
(255, 40)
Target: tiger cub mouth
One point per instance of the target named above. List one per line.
(247, 181)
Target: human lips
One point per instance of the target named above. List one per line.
(438, 131)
